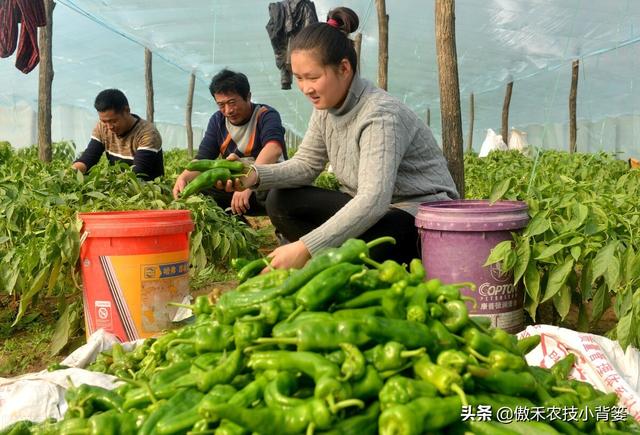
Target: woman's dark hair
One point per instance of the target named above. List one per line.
(330, 41)
(111, 99)
(230, 81)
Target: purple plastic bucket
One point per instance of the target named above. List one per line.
(457, 238)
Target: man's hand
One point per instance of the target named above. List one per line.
(182, 181)
(240, 202)
(293, 255)
(80, 167)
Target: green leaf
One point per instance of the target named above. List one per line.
(36, 286)
(562, 301)
(575, 252)
(586, 286)
(538, 225)
(600, 303)
(499, 252)
(499, 190)
(523, 252)
(624, 330)
(603, 259)
(583, 318)
(61, 335)
(532, 281)
(612, 274)
(550, 251)
(4, 239)
(97, 195)
(557, 277)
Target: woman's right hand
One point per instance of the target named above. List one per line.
(239, 184)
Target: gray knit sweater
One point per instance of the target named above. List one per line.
(381, 153)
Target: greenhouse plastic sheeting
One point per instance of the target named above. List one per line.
(99, 44)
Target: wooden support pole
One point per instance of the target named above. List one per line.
(45, 80)
(505, 113)
(357, 43)
(471, 118)
(383, 43)
(148, 80)
(573, 96)
(449, 90)
(189, 111)
(428, 117)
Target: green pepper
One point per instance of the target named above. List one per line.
(527, 344)
(479, 341)
(562, 368)
(353, 366)
(367, 279)
(246, 331)
(401, 390)
(312, 364)
(366, 299)
(204, 165)
(252, 269)
(490, 428)
(390, 271)
(367, 387)
(109, 422)
(504, 339)
(271, 279)
(85, 399)
(391, 355)
(239, 263)
(320, 334)
(444, 339)
(180, 352)
(420, 415)
(228, 427)
(501, 360)
(590, 410)
(455, 316)
(206, 180)
(221, 393)
(209, 338)
(417, 309)
(201, 305)
(454, 360)
(357, 313)
(316, 294)
(170, 373)
(278, 392)
(221, 374)
(505, 382)
(446, 381)
(182, 416)
(410, 334)
(364, 423)
(417, 272)
(18, 428)
(393, 301)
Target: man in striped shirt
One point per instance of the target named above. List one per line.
(123, 137)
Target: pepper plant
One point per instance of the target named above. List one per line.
(582, 242)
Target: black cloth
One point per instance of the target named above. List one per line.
(256, 201)
(286, 19)
(295, 212)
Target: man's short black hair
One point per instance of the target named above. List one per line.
(227, 81)
(111, 99)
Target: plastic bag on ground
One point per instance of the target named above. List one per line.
(518, 141)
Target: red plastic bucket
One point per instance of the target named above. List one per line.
(133, 264)
(457, 238)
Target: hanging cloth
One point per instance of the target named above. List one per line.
(286, 19)
(30, 14)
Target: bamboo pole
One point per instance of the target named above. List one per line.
(148, 80)
(505, 112)
(45, 80)
(383, 43)
(449, 90)
(189, 111)
(471, 119)
(573, 96)
(357, 44)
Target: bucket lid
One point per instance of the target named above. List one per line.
(472, 215)
(138, 223)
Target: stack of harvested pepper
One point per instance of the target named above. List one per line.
(213, 171)
(345, 345)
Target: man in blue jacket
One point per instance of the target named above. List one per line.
(240, 129)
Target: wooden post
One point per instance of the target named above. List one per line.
(573, 95)
(428, 117)
(148, 80)
(449, 90)
(383, 43)
(471, 117)
(192, 85)
(357, 44)
(45, 79)
(505, 113)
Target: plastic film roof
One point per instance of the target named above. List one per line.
(99, 44)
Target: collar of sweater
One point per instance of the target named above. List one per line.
(356, 90)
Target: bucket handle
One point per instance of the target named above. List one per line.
(83, 237)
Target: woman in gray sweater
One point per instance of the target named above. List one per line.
(385, 158)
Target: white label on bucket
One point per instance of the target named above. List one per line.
(103, 315)
(161, 283)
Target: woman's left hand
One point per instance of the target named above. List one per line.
(292, 255)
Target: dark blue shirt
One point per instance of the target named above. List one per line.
(263, 127)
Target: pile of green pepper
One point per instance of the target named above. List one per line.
(345, 345)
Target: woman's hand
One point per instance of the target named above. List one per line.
(292, 255)
(239, 184)
(240, 202)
